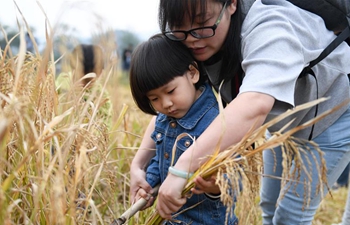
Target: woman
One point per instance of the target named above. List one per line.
(260, 60)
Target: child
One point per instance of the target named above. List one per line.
(165, 81)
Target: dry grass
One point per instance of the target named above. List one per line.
(60, 162)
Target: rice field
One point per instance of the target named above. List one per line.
(63, 164)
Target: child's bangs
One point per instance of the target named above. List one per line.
(162, 62)
(159, 71)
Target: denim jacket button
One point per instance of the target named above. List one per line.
(166, 155)
(187, 144)
(159, 135)
(173, 124)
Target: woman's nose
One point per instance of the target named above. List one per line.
(190, 39)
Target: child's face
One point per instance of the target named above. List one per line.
(176, 97)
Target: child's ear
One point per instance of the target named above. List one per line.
(194, 72)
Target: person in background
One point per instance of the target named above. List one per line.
(86, 63)
(257, 60)
(84, 60)
(165, 81)
(126, 59)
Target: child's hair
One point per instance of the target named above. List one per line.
(154, 63)
(87, 59)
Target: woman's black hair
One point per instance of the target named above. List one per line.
(172, 14)
(155, 63)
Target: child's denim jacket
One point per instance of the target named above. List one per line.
(201, 114)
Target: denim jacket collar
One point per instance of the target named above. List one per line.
(197, 111)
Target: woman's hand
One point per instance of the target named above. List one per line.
(205, 186)
(170, 199)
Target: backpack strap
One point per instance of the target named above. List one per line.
(333, 45)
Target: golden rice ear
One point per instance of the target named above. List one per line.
(76, 58)
(3, 130)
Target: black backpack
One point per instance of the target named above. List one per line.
(336, 15)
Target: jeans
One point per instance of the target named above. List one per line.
(343, 180)
(291, 209)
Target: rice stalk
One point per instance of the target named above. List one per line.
(22, 43)
(7, 50)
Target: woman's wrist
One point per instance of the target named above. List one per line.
(185, 162)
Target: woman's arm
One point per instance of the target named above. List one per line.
(248, 110)
(140, 161)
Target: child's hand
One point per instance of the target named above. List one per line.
(205, 186)
(137, 182)
(141, 193)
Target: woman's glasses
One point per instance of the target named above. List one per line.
(199, 33)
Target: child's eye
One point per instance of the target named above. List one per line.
(171, 91)
(153, 99)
